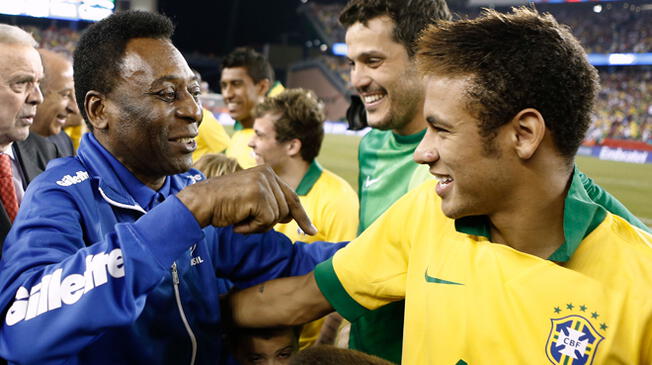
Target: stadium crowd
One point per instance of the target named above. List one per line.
(160, 238)
(624, 106)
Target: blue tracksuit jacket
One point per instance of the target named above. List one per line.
(89, 277)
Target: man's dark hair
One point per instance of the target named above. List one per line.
(301, 116)
(409, 16)
(516, 61)
(98, 56)
(257, 66)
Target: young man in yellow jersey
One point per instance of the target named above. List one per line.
(288, 134)
(506, 259)
(246, 78)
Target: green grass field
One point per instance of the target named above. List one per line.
(630, 183)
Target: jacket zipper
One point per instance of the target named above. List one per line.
(193, 339)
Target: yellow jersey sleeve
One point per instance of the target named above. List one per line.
(212, 137)
(371, 271)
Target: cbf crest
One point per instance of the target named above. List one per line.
(573, 339)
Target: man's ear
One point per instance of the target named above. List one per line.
(293, 147)
(262, 87)
(95, 105)
(529, 128)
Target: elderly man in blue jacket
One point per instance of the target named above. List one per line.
(120, 254)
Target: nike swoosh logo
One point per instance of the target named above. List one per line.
(432, 279)
(370, 181)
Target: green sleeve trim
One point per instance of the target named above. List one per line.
(330, 286)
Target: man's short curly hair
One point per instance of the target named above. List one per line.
(257, 66)
(97, 58)
(410, 16)
(515, 61)
(301, 116)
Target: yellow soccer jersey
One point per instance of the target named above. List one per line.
(239, 148)
(470, 301)
(212, 137)
(332, 205)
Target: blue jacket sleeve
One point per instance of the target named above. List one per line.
(247, 260)
(70, 270)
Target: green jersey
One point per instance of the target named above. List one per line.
(387, 171)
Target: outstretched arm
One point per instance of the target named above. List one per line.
(282, 302)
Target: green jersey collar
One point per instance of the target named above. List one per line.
(309, 179)
(410, 138)
(237, 126)
(581, 217)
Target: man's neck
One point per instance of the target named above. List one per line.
(293, 171)
(416, 125)
(40, 131)
(534, 223)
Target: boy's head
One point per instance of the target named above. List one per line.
(265, 346)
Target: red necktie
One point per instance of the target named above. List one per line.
(7, 188)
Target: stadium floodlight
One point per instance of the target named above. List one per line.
(339, 49)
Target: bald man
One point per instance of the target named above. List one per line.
(23, 155)
(58, 101)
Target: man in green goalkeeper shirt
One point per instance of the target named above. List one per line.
(380, 37)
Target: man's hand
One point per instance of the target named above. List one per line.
(252, 200)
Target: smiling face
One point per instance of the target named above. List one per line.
(267, 149)
(152, 114)
(471, 182)
(59, 97)
(240, 93)
(384, 76)
(20, 74)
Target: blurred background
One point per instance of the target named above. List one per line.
(304, 42)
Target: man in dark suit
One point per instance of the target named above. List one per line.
(22, 156)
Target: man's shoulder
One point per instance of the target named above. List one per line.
(616, 246)
(35, 144)
(333, 189)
